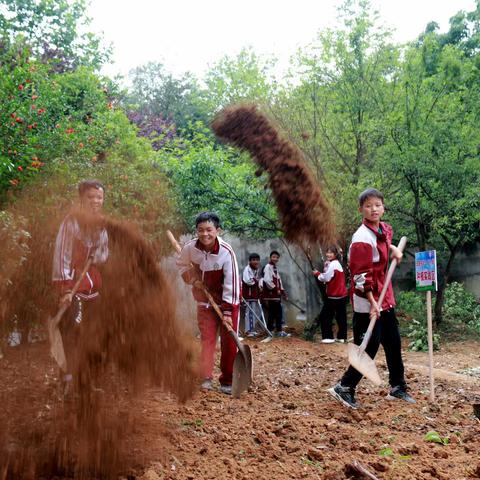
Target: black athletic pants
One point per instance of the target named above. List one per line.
(274, 314)
(334, 307)
(386, 333)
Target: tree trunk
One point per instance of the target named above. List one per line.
(443, 281)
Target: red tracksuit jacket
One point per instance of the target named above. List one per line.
(334, 277)
(368, 261)
(217, 269)
(272, 286)
(73, 247)
(250, 283)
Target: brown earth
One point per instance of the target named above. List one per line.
(287, 427)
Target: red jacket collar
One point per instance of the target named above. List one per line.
(383, 226)
(215, 249)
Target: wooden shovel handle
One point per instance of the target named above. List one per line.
(63, 308)
(368, 334)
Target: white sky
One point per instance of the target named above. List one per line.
(190, 35)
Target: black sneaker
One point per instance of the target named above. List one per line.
(400, 393)
(345, 395)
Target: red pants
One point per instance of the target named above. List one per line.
(209, 323)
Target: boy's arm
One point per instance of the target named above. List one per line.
(247, 277)
(268, 277)
(101, 253)
(361, 266)
(62, 274)
(361, 269)
(396, 254)
(231, 285)
(280, 285)
(327, 275)
(189, 273)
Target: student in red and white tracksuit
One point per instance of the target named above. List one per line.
(368, 260)
(272, 293)
(251, 293)
(76, 242)
(335, 305)
(212, 261)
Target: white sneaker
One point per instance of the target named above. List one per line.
(207, 384)
(226, 389)
(328, 340)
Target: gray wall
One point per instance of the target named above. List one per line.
(466, 269)
(294, 271)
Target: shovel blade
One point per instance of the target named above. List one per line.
(242, 371)
(362, 362)
(56, 344)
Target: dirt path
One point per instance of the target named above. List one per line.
(286, 428)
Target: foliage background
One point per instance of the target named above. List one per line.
(364, 110)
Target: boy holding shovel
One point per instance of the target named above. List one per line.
(210, 260)
(251, 293)
(80, 246)
(368, 261)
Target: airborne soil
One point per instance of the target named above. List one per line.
(287, 427)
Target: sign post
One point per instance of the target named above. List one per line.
(426, 281)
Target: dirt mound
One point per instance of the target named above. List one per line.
(304, 213)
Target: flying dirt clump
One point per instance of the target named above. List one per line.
(141, 332)
(304, 213)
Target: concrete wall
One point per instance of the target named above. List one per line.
(294, 271)
(466, 269)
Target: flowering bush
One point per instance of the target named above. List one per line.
(47, 115)
(153, 127)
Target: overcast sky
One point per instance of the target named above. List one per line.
(190, 35)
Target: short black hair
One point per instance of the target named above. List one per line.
(88, 184)
(208, 217)
(274, 252)
(369, 193)
(254, 256)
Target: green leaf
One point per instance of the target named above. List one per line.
(434, 437)
(386, 452)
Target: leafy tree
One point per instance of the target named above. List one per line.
(155, 128)
(52, 30)
(206, 177)
(347, 83)
(432, 157)
(367, 115)
(156, 93)
(246, 77)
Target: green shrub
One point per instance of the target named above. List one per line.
(460, 307)
(460, 311)
(412, 306)
(417, 332)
